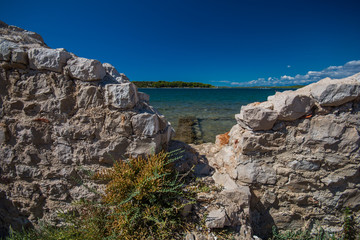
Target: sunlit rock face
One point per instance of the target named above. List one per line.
(298, 153)
(62, 116)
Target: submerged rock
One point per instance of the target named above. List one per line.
(188, 130)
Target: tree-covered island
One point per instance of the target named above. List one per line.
(175, 84)
(180, 84)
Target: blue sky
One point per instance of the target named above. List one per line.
(223, 42)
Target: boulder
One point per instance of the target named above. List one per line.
(256, 117)
(325, 130)
(145, 124)
(5, 49)
(48, 59)
(217, 219)
(341, 175)
(335, 92)
(144, 147)
(114, 74)
(86, 69)
(237, 204)
(291, 105)
(89, 96)
(122, 96)
(253, 173)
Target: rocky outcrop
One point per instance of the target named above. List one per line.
(61, 117)
(297, 154)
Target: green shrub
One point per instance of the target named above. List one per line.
(144, 197)
(142, 200)
(349, 227)
(290, 235)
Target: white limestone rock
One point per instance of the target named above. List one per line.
(5, 49)
(89, 96)
(86, 69)
(123, 96)
(114, 74)
(144, 146)
(169, 132)
(291, 105)
(329, 92)
(256, 117)
(237, 204)
(34, 35)
(145, 124)
(48, 59)
(223, 179)
(59, 122)
(324, 129)
(217, 219)
(226, 158)
(341, 175)
(254, 173)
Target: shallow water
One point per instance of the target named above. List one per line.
(214, 108)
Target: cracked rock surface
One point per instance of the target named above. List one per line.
(297, 155)
(62, 117)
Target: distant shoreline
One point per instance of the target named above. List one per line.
(198, 85)
(282, 87)
(268, 87)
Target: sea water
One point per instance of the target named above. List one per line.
(214, 108)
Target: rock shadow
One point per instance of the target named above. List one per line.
(191, 160)
(10, 216)
(261, 220)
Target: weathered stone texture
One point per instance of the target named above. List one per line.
(48, 59)
(122, 96)
(61, 118)
(86, 69)
(256, 117)
(302, 166)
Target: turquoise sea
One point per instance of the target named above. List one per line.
(214, 108)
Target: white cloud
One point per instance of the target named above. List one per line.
(286, 77)
(348, 69)
(288, 66)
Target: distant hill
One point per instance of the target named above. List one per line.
(176, 84)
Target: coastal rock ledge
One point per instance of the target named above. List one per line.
(292, 161)
(61, 117)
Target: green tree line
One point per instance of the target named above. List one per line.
(176, 84)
